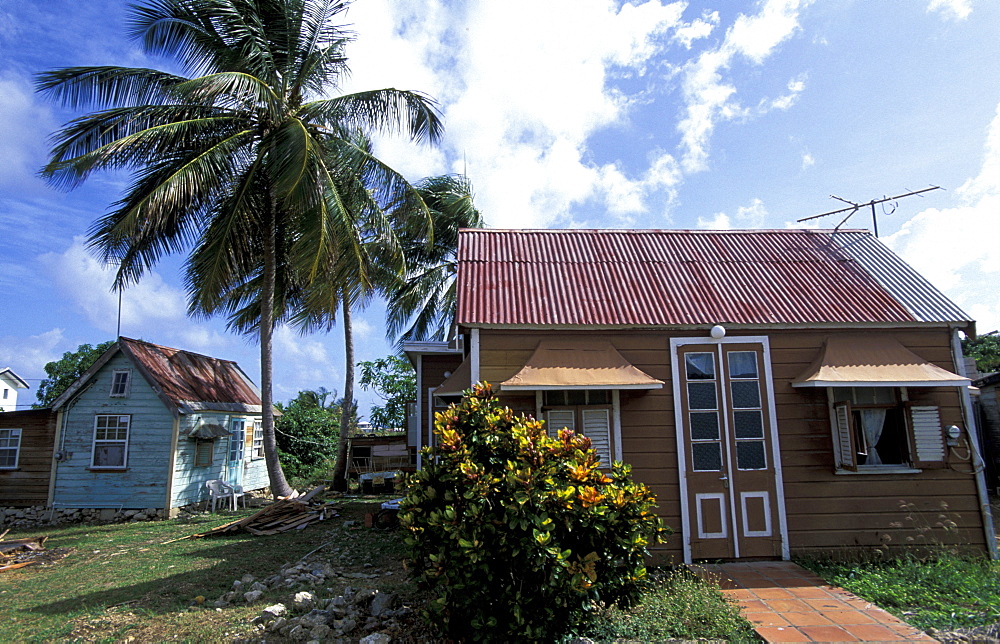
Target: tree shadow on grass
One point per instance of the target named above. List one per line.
(235, 555)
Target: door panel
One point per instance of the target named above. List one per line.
(726, 443)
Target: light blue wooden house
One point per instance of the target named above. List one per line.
(147, 425)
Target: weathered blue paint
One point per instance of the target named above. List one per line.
(143, 483)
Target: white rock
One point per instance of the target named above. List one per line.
(304, 600)
(375, 638)
(275, 611)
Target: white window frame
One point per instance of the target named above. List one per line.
(12, 434)
(103, 441)
(234, 442)
(257, 449)
(126, 385)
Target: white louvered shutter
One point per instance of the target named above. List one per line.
(557, 419)
(597, 427)
(927, 437)
(844, 444)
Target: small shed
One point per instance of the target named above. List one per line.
(147, 425)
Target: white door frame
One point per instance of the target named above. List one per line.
(675, 344)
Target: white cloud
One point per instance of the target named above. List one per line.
(697, 29)
(519, 111)
(304, 362)
(25, 125)
(808, 161)
(749, 216)
(954, 9)
(795, 87)
(710, 97)
(28, 356)
(955, 248)
(86, 282)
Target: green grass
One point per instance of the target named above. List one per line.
(122, 580)
(946, 592)
(678, 606)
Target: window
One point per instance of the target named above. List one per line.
(236, 439)
(120, 383)
(876, 428)
(258, 440)
(5, 392)
(10, 447)
(111, 441)
(203, 453)
(585, 411)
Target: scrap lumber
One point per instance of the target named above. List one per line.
(16, 566)
(15, 545)
(284, 514)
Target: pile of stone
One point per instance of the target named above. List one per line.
(312, 615)
(989, 634)
(40, 515)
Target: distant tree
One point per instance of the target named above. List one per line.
(985, 348)
(64, 372)
(307, 432)
(395, 381)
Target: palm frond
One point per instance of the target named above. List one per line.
(101, 87)
(388, 111)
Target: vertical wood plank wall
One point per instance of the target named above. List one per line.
(29, 484)
(827, 512)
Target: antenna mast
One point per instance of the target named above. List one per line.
(854, 207)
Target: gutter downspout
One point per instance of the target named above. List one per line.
(55, 464)
(977, 461)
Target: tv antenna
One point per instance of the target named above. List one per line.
(855, 207)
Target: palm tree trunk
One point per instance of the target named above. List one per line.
(347, 409)
(276, 476)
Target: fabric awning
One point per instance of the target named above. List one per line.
(873, 361)
(457, 382)
(208, 431)
(578, 364)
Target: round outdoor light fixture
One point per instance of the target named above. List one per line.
(718, 332)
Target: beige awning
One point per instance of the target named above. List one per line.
(579, 364)
(873, 361)
(457, 382)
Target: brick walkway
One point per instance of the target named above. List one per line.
(787, 603)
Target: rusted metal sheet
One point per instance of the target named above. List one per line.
(683, 277)
(183, 376)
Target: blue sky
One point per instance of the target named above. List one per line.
(564, 113)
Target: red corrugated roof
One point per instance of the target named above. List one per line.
(186, 377)
(665, 278)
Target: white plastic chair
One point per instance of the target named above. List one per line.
(219, 489)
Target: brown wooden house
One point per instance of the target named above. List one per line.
(782, 392)
(26, 448)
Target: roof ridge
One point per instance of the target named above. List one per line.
(163, 346)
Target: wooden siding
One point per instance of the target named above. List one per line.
(826, 511)
(189, 480)
(28, 484)
(433, 368)
(143, 484)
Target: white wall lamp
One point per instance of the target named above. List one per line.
(718, 332)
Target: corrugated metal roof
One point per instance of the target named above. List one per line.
(687, 277)
(185, 377)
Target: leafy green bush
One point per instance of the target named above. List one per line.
(517, 533)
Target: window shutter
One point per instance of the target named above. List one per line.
(927, 437)
(557, 419)
(844, 447)
(597, 427)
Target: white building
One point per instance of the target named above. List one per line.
(10, 382)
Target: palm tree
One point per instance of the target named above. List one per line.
(234, 161)
(422, 304)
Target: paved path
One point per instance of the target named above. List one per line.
(787, 603)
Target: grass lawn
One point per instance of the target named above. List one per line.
(945, 593)
(120, 581)
(123, 581)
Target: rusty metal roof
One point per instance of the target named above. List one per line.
(192, 381)
(650, 278)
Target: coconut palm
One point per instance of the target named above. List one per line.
(422, 304)
(234, 159)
